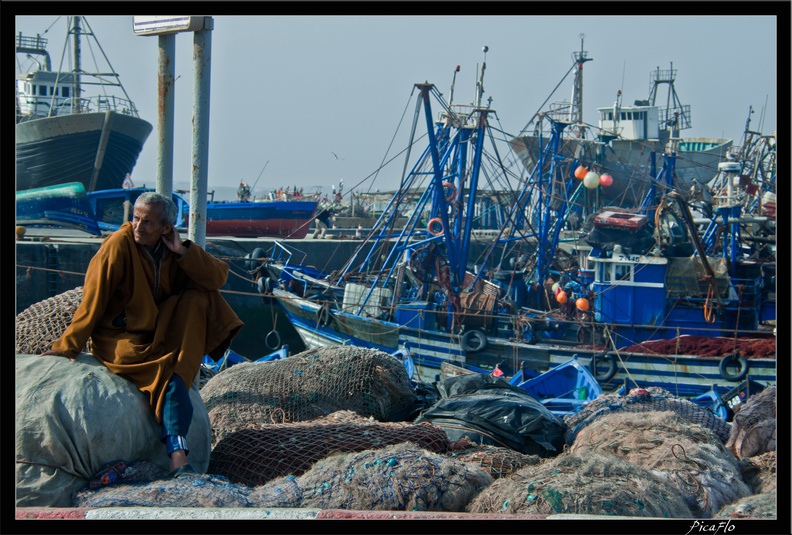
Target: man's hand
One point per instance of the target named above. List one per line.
(57, 354)
(173, 242)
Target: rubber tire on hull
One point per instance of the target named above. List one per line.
(473, 341)
(612, 367)
(726, 361)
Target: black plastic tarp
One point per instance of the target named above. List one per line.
(488, 410)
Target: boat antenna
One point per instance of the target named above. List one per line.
(453, 82)
(480, 83)
(576, 109)
(257, 179)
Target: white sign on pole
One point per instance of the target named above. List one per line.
(164, 24)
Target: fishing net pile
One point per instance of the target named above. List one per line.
(645, 400)
(204, 491)
(688, 455)
(585, 483)
(758, 506)
(496, 461)
(708, 346)
(760, 472)
(402, 477)
(42, 323)
(399, 477)
(254, 456)
(73, 417)
(307, 386)
(753, 430)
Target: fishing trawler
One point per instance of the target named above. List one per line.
(66, 133)
(542, 292)
(628, 139)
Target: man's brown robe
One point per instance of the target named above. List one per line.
(174, 313)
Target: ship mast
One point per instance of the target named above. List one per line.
(76, 31)
(576, 109)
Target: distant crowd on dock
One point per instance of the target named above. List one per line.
(244, 194)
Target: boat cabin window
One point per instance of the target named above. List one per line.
(622, 272)
(42, 90)
(64, 91)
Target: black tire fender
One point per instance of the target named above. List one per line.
(252, 260)
(727, 361)
(474, 340)
(612, 367)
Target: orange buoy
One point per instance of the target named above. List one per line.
(582, 304)
(561, 297)
(606, 180)
(580, 172)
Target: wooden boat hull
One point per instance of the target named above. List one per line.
(681, 374)
(68, 148)
(564, 389)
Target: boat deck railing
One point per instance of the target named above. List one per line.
(100, 103)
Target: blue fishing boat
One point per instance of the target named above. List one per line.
(62, 206)
(68, 205)
(564, 389)
(553, 282)
(254, 219)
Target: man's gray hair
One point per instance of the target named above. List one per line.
(152, 197)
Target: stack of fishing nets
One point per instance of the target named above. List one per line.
(262, 452)
(757, 506)
(399, 477)
(753, 440)
(42, 323)
(695, 461)
(140, 484)
(645, 400)
(753, 430)
(307, 386)
(583, 483)
(402, 477)
(495, 460)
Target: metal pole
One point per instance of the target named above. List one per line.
(202, 70)
(165, 112)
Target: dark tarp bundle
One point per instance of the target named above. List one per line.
(488, 410)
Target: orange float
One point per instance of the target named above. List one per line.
(561, 297)
(580, 172)
(582, 304)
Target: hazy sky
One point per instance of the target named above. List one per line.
(319, 98)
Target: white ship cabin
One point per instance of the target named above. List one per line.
(39, 91)
(638, 122)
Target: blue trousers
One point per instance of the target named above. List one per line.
(176, 415)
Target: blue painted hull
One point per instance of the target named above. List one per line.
(684, 375)
(64, 205)
(269, 219)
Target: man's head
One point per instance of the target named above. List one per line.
(153, 216)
